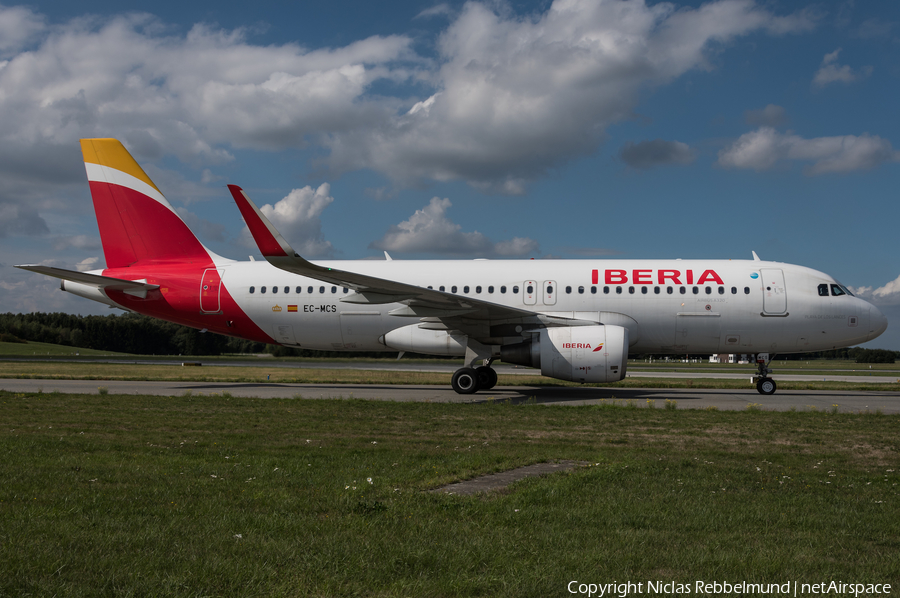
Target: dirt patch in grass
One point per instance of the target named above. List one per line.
(499, 481)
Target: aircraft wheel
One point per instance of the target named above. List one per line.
(766, 386)
(465, 381)
(487, 377)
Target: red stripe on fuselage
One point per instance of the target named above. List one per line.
(178, 300)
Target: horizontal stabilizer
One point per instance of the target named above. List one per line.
(131, 287)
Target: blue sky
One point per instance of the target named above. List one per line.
(584, 129)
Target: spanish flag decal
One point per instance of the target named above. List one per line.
(292, 308)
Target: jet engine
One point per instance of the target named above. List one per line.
(577, 353)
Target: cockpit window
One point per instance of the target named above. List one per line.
(837, 290)
(823, 290)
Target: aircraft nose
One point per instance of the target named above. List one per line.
(877, 322)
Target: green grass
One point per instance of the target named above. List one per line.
(33, 349)
(106, 495)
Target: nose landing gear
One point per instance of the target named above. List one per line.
(764, 384)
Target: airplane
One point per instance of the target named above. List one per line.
(574, 320)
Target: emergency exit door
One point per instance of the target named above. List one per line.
(210, 287)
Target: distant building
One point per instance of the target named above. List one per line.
(729, 358)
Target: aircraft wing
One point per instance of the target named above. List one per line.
(132, 287)
(463, 313)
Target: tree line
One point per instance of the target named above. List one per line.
(143, 335)
(136, 334)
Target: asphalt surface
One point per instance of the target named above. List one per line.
(730, 399)
(634, 371)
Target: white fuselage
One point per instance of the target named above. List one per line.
(668, 306)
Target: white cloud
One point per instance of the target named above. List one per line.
(832, 72)
(18, 26)
(430, 231)
(296, 217)
(520, 96)
(88, 263)
(888, 294)
(658, 152)
(508, 99)
(438, 10)
(764, 148)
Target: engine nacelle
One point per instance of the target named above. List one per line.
(577, 353)
(420, 340)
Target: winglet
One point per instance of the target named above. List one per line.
(269, 240)
(755, 257)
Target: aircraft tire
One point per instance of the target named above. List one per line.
(766, 386)
(465, 381)
(487, 377)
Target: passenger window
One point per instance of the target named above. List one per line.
(581, 290)
(746, 290)
(593, 290)
(453, 289)
(682, 290)
(262, 290)
(478, 290)
(441, 288)
(466, 289)
(274, 289)
(631, 290)
(606, 290)
(656, 290)
(515, 290)
(734, 290)
(721, 290)
(503, 290)
(309, 290)
(530, 290)
(643, 290)
(669, 290)
(287, 290)
(696, 291)
(333, 290)
(568, 290)
(345, 290)
(709, 290)
(837, 291)
(550, 289)
(618, 290)
(298, 289)
(321, 289)
(252, 290)
(490, 290)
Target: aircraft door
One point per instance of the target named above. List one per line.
(774, 291)
(550, 291)
(209, 291)
(529, 292)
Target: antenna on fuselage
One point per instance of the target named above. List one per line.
(755, 257)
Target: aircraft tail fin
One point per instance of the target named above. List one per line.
(136, 221)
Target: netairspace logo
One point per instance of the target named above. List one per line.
(721, 588)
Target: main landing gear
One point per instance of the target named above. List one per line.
(467, 380)
(764, 384)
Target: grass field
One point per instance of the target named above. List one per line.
(108, 495)
(32, 349)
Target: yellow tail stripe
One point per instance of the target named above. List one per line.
(111, 153)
